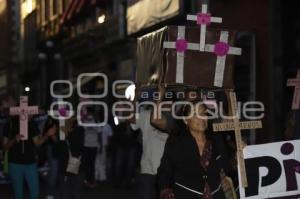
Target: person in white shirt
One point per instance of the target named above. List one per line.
(101, 159)
(91, 145)
(153, 141)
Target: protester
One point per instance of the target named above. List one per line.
(124, 143)
(194, 159)
(101, 160)
(153, 143)
(71, 152)
(91, 145)
(51, 147)
(22, 156)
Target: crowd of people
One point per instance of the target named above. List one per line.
(163, 157)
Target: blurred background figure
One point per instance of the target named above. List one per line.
(102, 159)
(91, 146)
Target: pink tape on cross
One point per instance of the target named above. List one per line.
(221, 49)
(181, 45)
(297, 169)
(203, 18)
(62, 112)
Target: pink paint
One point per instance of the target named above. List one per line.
(62, 112)
(203, 18)
(181, 45)
(221, 49)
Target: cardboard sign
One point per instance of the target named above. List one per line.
(221, 49)
(273, 170)
(204, 19)
(181, 45)
(229, 126)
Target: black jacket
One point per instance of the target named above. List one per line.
(180, 164)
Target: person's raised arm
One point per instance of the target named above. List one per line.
(39, 140)
(158, 120)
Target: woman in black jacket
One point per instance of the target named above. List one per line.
(72, 147)
(193, 160)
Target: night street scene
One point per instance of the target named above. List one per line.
(149, 99)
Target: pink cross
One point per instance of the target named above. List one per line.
(24, 111)
(296, 84)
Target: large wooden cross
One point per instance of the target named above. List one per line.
(23, 111)
(204, 19)
(237, 126)
(296, 97)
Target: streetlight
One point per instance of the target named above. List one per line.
(27, 89)
(101, 19)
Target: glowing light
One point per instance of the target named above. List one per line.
(29, 6)
(116, 120)
(130, 92)
(101, 19)
(27, 89)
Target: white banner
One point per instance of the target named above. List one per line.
(273, 171)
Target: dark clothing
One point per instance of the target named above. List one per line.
(69, 187)
(89, 159)
(181, 166)
(297, 125)
(124, 136)
(50, 144)
(23, 152)
(147, 186)
(75, 140)
(69, 184)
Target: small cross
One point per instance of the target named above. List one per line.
(204, 19)
(237, 126)
(181, 45)
(296, 84)
(23, 111)
(221, 49)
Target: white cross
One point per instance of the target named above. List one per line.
(181, 45)
(24, 111)
(61, 116)
(296, 97)
(204, 19)
(221, 49)
(237, 126)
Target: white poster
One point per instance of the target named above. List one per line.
(273, 171)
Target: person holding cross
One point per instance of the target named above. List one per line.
(194, 159)
(22, 156)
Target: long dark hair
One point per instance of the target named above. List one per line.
(50, 122)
